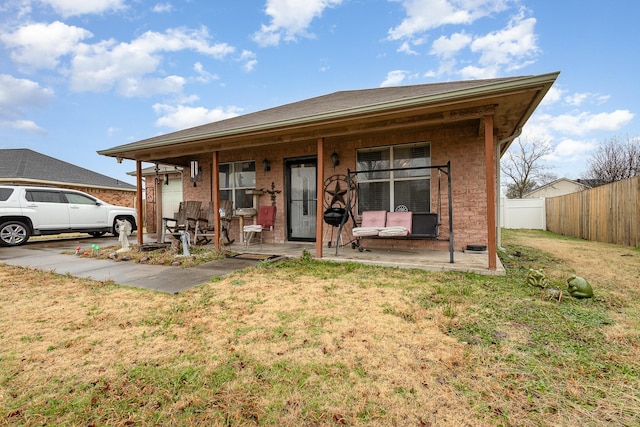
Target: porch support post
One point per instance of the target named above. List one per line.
(159, 228)
(139, 201)
(320, 198)
(215, 196)
(490, 180)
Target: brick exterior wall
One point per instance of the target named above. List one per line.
(459, 144)
(114, 197)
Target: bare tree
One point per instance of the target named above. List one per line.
(524, 168)
(616, 159)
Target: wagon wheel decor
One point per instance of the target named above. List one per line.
(337, 193)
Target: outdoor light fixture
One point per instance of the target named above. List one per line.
(266, 165)
(335, 160)
(166, 179)
(119, 159)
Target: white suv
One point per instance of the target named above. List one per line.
(32, 211)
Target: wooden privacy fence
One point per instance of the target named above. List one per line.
(609, 213)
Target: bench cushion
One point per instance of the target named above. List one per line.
(398, 219)
(372, 222)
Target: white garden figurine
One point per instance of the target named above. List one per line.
(124, 227)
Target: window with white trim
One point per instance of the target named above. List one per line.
(235, 179)
(386, 183)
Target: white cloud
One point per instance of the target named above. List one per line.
(82, 7)
(394, 78)
(447, 47)
(182, 117)
(405, 47)
(553, 96)
(102, 66)
(16, 94)
(576, 99)
(425, 15)
(584, 122)
(42, 45)
(509, 46)
(146, 87)
(163, 8)
(25, 125)
(473, 72)
(571, 149)
(16, 97)
(290, 19)
(203, 75)
(249, 59)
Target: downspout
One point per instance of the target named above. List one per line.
(499, 148)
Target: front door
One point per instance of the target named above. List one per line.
(301, 199)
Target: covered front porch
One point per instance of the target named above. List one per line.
(430, 260)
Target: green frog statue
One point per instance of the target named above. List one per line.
(537, 279)
(579, 288)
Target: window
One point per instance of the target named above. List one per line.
(388, 180)
(44, 196)
(5, 193)
(79, 199)
(235, 179)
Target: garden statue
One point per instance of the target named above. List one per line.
(124, 228)
(537, 279)
(579, 288)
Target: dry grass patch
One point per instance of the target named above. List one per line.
(312, 343)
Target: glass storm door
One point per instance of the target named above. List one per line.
(301, 199)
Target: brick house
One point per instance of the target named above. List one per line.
(28, 167)
(387, 139)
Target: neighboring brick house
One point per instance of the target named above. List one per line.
(290, 151)
(28, 167)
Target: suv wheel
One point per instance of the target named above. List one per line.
(14, 233)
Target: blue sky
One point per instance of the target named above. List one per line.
(77, 76)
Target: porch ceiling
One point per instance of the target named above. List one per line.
(511, 101)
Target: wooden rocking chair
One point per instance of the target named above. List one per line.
(205, 226)
(185, 219)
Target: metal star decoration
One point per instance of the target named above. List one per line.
(337, 194)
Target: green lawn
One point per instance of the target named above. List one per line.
(305, 342)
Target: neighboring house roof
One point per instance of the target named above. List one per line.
(592, 183)
(558, 187)
(22, 165)
(510, 100)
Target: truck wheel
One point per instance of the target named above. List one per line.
(14, 233)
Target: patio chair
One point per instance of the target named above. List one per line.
(265, 222)
(205, 226)
(184, 221)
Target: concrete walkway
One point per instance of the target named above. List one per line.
(48, 256)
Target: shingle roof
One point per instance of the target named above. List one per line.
(514, 100)
(22, 164)
(341, 103)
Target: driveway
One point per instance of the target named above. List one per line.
(48, 255)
